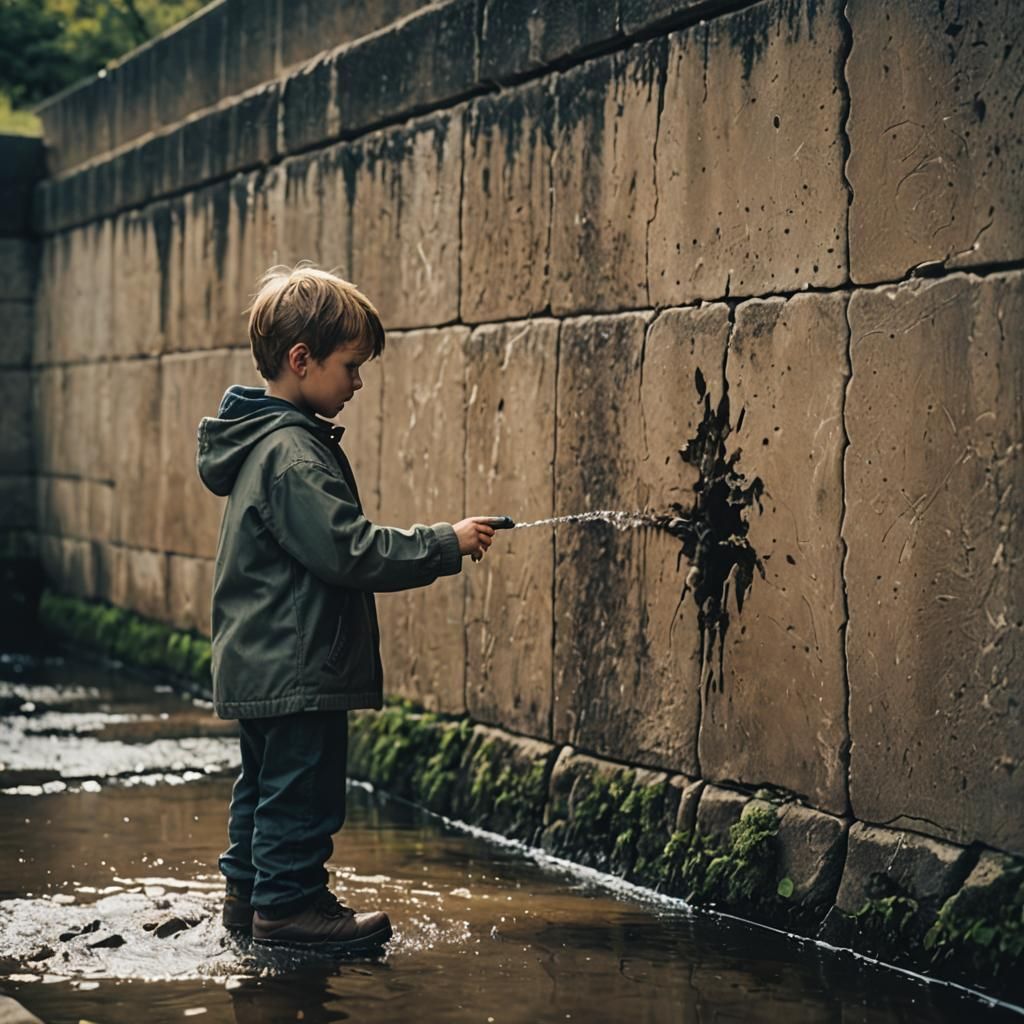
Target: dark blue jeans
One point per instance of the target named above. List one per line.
(288, 800)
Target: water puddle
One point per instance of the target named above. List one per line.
(110, 903)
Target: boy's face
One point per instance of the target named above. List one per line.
(327, 386)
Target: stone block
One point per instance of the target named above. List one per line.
(718, 810)
(79, 123)
(506, 204)
(607, 815)
(16, 419)
(774, 219)
(191, 386)
(510, 450)
(606, 123)
(138, 581)
(563, 775)
(883, 863)
(522, 36)
(252, 127)
(782, 645)
(189, 65)
(688, 802)
(16, 345)
(299, 222)
(312, 25)
(75, 508)
(252, 53)
(73, 567)
(253, 229)
(17, 502)
(422, 480)
(137, 473)
(204, 147)
(147, 300)
(189, 592)
(133, 98)
(74, 305)
(74, 403)
(22, 165)
(19, 260)
(362, 419)
(423, 62)
(935, 143)
(212, 240)
(933, 569)
(404, 224)
(811, 847)
(338, 166)
(626, 646)
(503, 783)
(310, 100)
(977, 924)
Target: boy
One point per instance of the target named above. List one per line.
(295, 639)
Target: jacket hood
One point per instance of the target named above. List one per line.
(246, 416)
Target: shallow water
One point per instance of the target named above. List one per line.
(109, 901)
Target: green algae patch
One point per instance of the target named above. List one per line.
(506, 785)
(593, 831)
(740, 876)
(415, 756)
(887, 924)
(127, 637)
(616, 819)
(979, 932)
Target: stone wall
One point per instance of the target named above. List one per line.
(21, 167)
(786, 238)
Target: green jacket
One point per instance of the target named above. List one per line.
(294, 625)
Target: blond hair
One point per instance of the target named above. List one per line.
(304, 303)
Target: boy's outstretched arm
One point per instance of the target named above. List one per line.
(313, 514)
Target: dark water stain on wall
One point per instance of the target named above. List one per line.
(163, 227)
(749, 30)
(713, 531)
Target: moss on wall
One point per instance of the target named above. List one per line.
(413, 755)
(127, 637)
(979, 932)
(739, 875)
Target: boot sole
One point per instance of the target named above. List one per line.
(365, 944)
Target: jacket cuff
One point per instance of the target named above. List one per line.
(451, 560)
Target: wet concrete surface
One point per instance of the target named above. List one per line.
(113, 797)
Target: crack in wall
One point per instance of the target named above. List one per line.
(554, 537)
(844, 116)
(549, 118)
(662, 83)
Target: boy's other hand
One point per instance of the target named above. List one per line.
(475, 536)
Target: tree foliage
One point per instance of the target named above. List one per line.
(47, 45)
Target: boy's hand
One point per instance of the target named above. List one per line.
(475, 536)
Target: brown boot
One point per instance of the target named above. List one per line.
(325, 926)
(237, 912)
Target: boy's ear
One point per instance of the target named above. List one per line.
(299, 358)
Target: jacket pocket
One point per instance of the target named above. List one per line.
(337, 645)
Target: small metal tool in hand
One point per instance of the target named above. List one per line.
(501, 522)
(497, 523)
